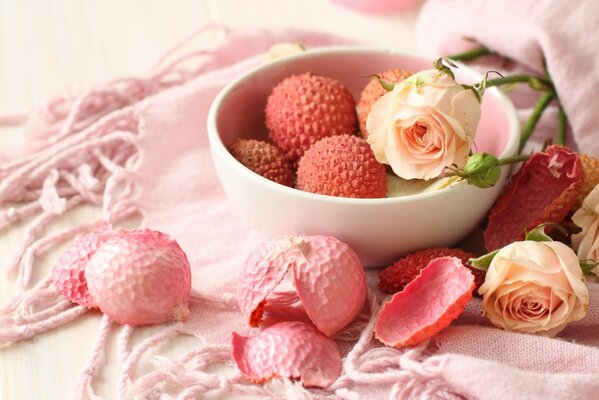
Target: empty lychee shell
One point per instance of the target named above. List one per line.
(140, 277)
(289, 350)
(427, 305)
(327, 274)
(68, 274)
(544, 190)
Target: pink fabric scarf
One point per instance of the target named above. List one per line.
(140, 145)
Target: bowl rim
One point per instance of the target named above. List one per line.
(218, 147)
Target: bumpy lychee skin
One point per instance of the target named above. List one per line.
(590, 166)
(288, 349)
(303, 109)
(68, 272)
(141, 277)
(374, 91)
(342, 166)
(264, 159)
(395, 278)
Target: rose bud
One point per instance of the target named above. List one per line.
(482, 170)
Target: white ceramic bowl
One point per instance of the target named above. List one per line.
(380, 230)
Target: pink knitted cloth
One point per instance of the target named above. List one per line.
(152, 156)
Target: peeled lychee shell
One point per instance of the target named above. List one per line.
(544, 191)
(288, 350)
(342, 166)
(374, 91)
(141, 277)
(427, 305)
(68, 274)
(264, 159)
(396, 277)
(590, 166)
(327, 274)
(303, 109)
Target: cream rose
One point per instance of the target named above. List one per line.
(587, 217)
(426, 123)
(534, 287)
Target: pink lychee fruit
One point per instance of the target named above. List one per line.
(68, 272)
(374, 91)
(140, 277)
(289, 350)
(263, 158)
(342, 166)
(303, 109)
(326, 273)
(427, 305)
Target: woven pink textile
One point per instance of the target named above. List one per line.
(560, 32)
(180, 194)
(140, 143)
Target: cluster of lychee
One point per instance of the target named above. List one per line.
(318, 138)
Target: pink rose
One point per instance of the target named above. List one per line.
(534, 287)
(426, 123)
(587, 217)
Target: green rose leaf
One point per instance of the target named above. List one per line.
(483, 262)
(538, 234)
(587, 266)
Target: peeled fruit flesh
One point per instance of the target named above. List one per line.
(140, 277)
(327, 274)
(288, 350)
(427, 305)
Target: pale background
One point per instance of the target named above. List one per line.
(48, 46)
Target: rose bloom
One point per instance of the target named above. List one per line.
(587, 217)
(534, 287)
(426, 123)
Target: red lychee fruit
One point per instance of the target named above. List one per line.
(396, 277)
(374, 91)
(264, 159)
(303, 109)
(342, 166)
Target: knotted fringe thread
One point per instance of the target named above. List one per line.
(89, 151)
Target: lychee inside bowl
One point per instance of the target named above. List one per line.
(380, 230)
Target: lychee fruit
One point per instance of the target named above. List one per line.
(68, 272)
(140, 277)
(264, 159)
(396, 277)
(303, 109)
(342, 166)
(427, 305)
(374, 91)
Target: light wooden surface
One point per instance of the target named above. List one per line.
(49, 46)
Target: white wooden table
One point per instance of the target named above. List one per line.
(47, 46)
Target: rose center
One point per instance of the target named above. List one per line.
(532, 307)
(420, 138)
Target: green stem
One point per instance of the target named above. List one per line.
(561, 129)
(514, 159)
(531, 123)
(471, 54)
(534, 81)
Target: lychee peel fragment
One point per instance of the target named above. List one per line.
(68, 274)
(545, 190)
(327, 274)
(289, 350)
(427, 305)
